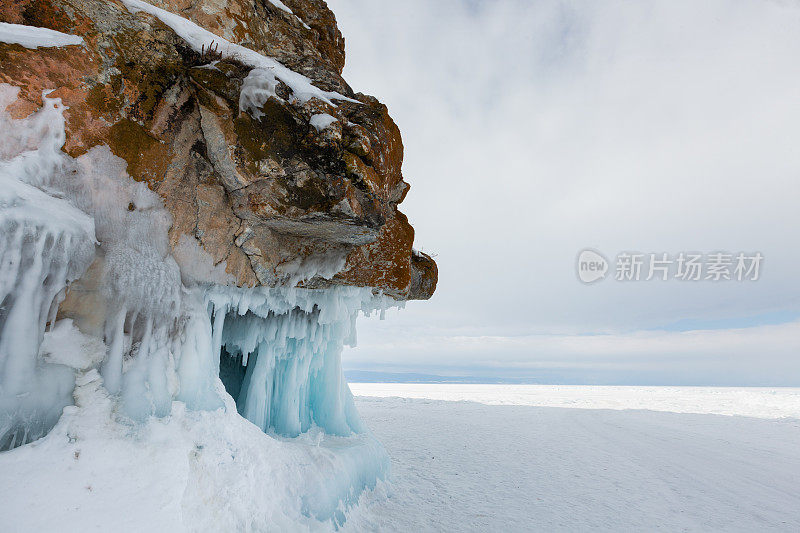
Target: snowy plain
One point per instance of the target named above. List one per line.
(582, 458)
(601, 459)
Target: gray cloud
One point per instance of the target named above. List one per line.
(536, 129)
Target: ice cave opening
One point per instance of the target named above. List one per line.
(232, 369)
(281, 363)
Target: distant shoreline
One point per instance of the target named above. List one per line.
(368, 376)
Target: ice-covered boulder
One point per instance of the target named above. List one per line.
(194, 209)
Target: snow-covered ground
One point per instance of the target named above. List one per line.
(455, 465)
(588, 463)
(192, 471)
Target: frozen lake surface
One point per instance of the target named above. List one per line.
(497, 458)
(545, 458)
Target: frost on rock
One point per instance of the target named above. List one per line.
(197, 266)
(156, 335)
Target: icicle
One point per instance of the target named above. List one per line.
(219, 322)
(198, 362)
(32, 393)
(115, 338)
(20, 339)
(53, 283)
(157, 372)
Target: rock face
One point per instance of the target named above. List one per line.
(278, 188)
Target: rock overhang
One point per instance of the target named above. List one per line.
(260, 189)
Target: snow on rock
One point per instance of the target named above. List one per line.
(66, 345)
(199, 39)
(257, 88)
(283, 7)
(321, 121)
(33, 37)
(270, 196)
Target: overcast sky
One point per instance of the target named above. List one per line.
(536, 129)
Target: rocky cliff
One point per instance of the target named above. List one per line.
(280, 181)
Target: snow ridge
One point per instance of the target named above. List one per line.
(33, 37)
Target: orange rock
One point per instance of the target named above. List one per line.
(261, 194)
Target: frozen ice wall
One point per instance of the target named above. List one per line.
(58, 216)
(45, 242)
(153, 332)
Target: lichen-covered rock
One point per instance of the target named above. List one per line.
(281, 189)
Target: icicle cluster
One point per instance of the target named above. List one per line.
(278, 350)
(281, 356)
(45, 243)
